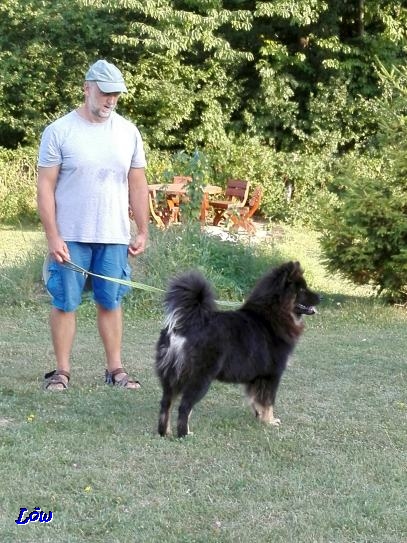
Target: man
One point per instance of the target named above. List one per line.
(90, 169)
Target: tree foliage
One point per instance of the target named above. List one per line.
(201, 71)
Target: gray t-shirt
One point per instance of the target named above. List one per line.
(92, 194)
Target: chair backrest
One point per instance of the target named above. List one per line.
(181, 179)
(255, 201)
(237, 189)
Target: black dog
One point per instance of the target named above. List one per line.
(250, 345)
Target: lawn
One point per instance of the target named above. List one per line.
(335, 471)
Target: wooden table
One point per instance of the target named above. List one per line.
(171, 189)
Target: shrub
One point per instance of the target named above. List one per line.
(18, 186)
(365, 233)
(306, 179)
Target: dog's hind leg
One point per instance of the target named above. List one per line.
(191, 395)
(262, 395)
(164, 421)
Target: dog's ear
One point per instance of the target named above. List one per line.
(294, 271)
(287, 274)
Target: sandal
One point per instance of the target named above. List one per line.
(54, 377)
(110, 379)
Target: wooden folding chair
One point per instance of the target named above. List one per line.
(241, 217)
(160, 214)
(236, 194)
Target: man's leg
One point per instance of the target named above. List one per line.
(63, 327)
(110, 324)
(111, 330)
(65, 286)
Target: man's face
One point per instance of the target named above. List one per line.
(100, 104)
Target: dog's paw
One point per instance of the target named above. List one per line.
(274, 422)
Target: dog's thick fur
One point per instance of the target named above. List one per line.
(250, 345)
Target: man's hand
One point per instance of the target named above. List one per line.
(138, 246)
(58, 249)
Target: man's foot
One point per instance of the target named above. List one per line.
(56, 380)
(120, 378)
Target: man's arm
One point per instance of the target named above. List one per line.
(46, 183)
(138, 199)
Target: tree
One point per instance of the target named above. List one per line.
(365, 234)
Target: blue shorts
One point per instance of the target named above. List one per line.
(66, 286)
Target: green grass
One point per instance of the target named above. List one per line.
(333, 472)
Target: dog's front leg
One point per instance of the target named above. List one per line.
(262, 395)
(266, 414)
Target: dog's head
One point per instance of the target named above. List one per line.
(304, 299)
(295, 300)
(283, 297)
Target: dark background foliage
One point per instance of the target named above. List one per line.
(199, 70)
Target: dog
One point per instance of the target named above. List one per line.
(251, 345)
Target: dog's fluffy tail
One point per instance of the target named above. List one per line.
(188, 302)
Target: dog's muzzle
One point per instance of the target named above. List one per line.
(301, 309)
